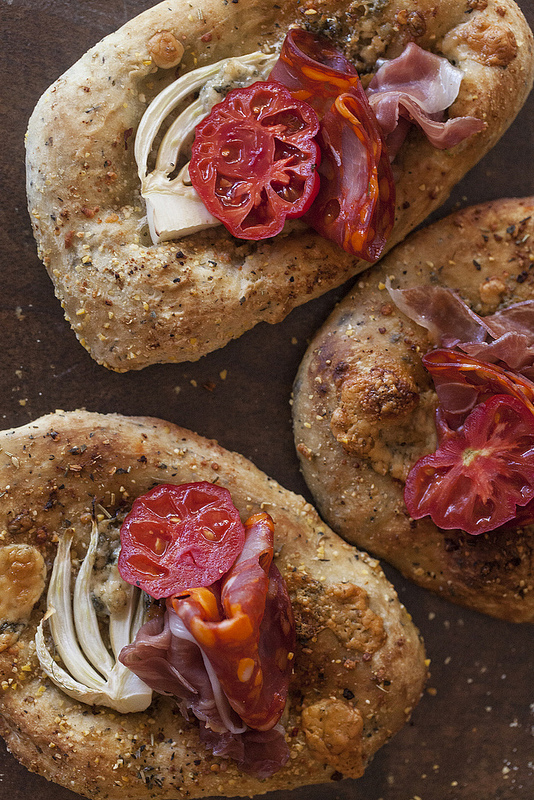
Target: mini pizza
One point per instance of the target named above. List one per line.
(207, 167)
(414, 410)
(175, 623)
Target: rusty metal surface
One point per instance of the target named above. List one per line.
(472, 736)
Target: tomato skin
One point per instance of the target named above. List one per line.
(179, 536)
(481, 474)
(254, 159)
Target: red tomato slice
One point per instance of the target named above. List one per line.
(480, 474)
(177, 537)
(524, 516)
(254, 159)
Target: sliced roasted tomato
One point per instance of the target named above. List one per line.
(254, 159)
(176, 537)
(463, 381)
(524, 516)
(355, 206)
(481, 474)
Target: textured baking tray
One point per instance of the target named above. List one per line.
(472, 736)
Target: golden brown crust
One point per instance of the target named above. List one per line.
(351, 628)
(355, 461)
(132, 305)
(334, 734)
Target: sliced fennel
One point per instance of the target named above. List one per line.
(91, 675)
(173, 207)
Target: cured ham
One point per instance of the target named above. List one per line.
(511, 338)
(356, 200)
(246, 628)
(172, 663)
(354, 208)
(482, 474)
(462, 382)
(419, 86)
(443, 313)
(260, 753)
(361, 132)
(505, 337)
(225, 652)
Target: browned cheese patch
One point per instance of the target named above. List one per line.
(165, 49)
(369, 399)
(333, 733)
(492, 45)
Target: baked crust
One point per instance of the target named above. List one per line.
(354, 636)
(131, 304)
(364, 409)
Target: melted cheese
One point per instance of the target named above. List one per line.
(22, 581)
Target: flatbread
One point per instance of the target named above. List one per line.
(359, 665)
(132, 304)
(358, 381)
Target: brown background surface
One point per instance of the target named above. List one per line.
(472, 736)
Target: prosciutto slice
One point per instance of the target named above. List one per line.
(442, 312)
(246, 631)
(172, 663)
(260, 753)
(360, 132)
(510, 338)
(419, 86)
(506, 337)
(225, 652)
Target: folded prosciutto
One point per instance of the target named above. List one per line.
(482, 474)
(361, 131)
(505, 337)
(225, 653)
(418, 87)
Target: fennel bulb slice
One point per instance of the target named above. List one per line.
(173, 206)
(91, 674)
